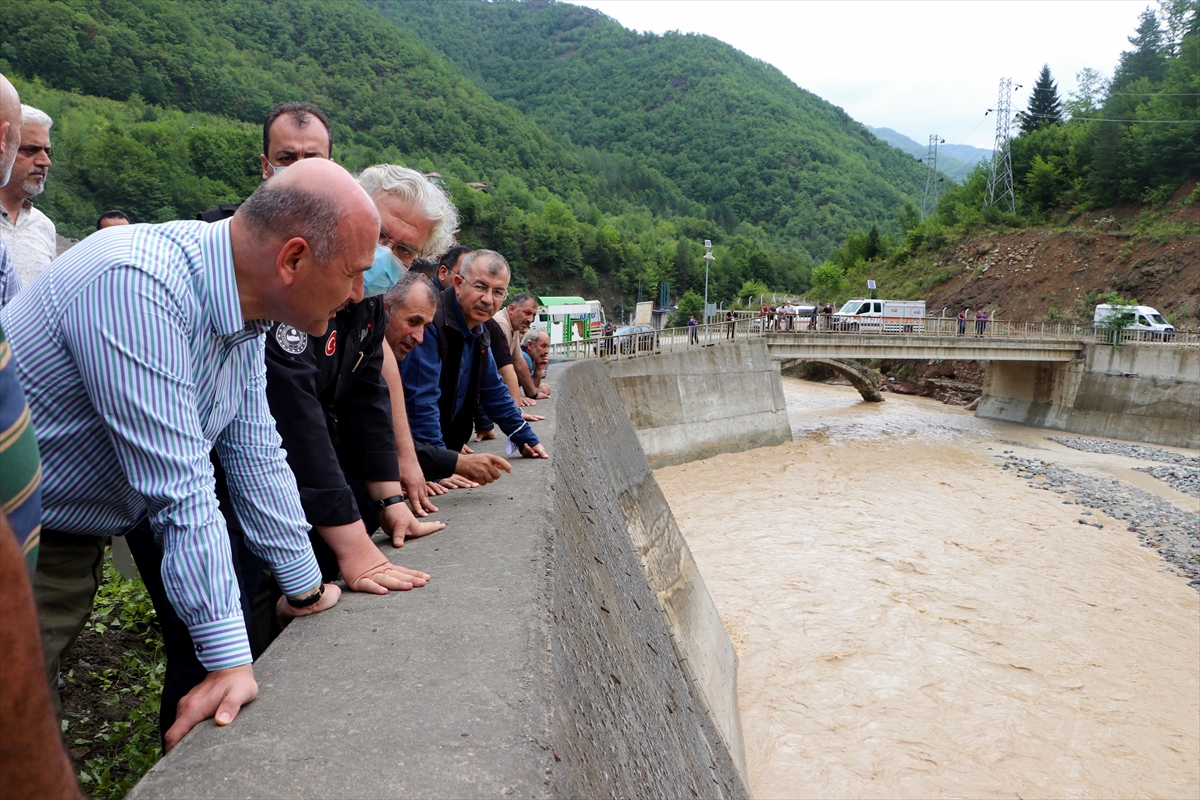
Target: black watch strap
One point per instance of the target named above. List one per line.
(311, 600)
(380, 505)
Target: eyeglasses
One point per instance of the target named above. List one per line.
(31, 150)
(400, 250)
(484, 289)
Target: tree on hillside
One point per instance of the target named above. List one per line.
(1091, 87)
(1148, 59)
(1045, 109)
(827, 279)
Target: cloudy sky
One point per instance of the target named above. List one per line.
(917, 67)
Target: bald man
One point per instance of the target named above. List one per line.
(142, 350)
(10, 143)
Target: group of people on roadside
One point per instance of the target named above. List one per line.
(245, 398)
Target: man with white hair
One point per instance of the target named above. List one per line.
(29, 233)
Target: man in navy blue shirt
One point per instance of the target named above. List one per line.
(452, 371)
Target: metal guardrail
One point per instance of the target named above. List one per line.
(636, 345)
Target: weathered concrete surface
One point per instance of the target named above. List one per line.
(537, 662)
(693, 404)
(1141, 393)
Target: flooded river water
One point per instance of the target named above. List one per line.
(915, 621)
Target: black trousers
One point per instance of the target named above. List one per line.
(184, 670)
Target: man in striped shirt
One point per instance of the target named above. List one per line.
(142, 350)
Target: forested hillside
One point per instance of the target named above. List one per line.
(1108, 177)
(955, 160)
(732, 132)
(157, 104)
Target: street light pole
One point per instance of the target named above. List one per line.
(708, 257)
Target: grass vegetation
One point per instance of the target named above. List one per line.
(114, 682)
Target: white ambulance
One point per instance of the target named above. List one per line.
(880, 316)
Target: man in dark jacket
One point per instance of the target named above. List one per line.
(452, 371)
(332, 409)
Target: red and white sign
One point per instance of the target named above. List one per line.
(331, 345)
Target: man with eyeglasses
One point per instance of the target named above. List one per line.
(452, 371)
(29, 233)
(292, 132)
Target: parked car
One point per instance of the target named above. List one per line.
(636, 338)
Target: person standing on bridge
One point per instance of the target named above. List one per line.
(981, 321)
(962, 322)
(731, 319)
(693, 330)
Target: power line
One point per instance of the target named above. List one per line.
(1139, 121)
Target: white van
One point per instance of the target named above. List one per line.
(1147, 322)
(886, 316)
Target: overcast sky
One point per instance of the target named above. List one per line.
(917, 67)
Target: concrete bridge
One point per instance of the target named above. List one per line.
(785, 346)
(1064, 377)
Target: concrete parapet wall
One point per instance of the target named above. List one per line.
(537, 662)
(1144, 393)
(696, 403)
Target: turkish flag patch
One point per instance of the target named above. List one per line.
(331, 345)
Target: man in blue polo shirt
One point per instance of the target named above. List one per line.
(141, 350)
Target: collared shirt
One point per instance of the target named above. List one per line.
(421, 372)
(513, 338)
(20, 464)
(31, 240)
(10, 284)
(137, 363)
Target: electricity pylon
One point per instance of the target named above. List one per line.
(1000, 179)
(930, 203)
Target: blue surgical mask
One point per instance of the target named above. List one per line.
(383, 274)
(277, 170)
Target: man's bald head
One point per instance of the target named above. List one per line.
(315, 200)
(301, 243)
(10, 128)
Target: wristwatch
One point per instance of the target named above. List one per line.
(311, 600)
(380, 505)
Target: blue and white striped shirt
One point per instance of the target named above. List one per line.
(137, 363)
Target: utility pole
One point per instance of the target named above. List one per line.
(1000, 180)
(930, 203)
(708, 259)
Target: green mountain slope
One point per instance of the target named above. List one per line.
(954, 160)
(156, 104)
(732, 132)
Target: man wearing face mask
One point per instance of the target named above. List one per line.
(292, 132)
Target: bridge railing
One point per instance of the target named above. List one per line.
(636, 345)
(748, 323)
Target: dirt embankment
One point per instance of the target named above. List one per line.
(1059, 276)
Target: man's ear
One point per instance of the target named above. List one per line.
(459, 280)
(291, 258)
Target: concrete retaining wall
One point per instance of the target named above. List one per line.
(1142, 393)
(696, 403)
(566, 647)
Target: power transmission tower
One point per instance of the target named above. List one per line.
(930, 203)
(1000, 180)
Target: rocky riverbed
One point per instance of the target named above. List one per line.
(1159, 525)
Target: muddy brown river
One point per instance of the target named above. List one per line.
(914, 621)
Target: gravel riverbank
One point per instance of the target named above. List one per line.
(1159, 524)
(1141, 451)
